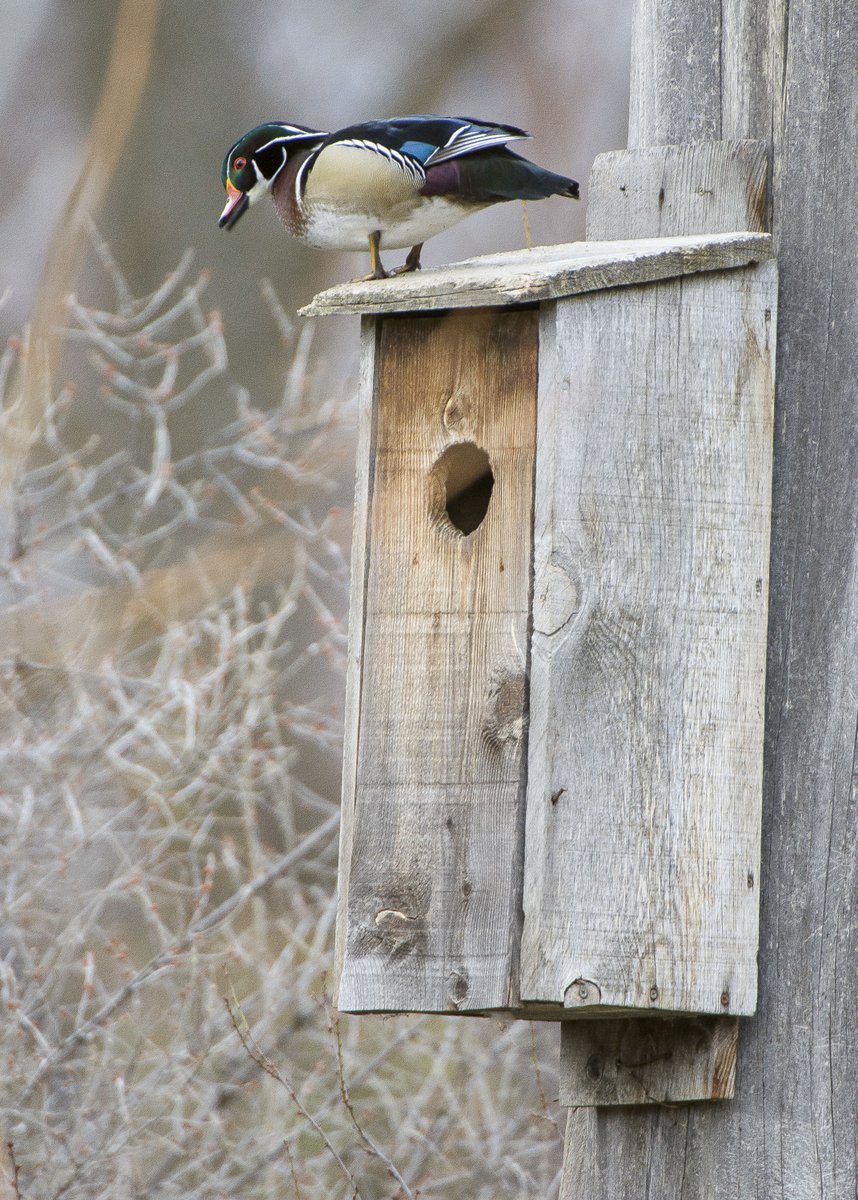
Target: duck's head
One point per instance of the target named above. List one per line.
(253, 163)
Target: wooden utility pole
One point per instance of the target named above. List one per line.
(786, 72)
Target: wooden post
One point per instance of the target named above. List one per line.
(736, 69)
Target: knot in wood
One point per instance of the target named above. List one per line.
(459, 988)
(391, 919)
(457, 410)
(595, 1068)
(393, 932)
(504, 707)
(557, 599)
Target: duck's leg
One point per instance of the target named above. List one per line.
(412, 262)
(378, 271)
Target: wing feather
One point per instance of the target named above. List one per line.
(415, 143)
(469, 137)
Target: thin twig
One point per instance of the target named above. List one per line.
(373, 1148)
(265, 1064)
(534, 1058)
(292, 1170)
(16, 1190)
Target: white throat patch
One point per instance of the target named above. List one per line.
(263, 186)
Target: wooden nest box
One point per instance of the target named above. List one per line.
(551, 802)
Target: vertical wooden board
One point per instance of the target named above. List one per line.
(648, 659)
(704, 69)
(670, 191)
(364, 461)
(647, 1060)
(431, 919)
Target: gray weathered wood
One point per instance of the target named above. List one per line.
(430, 915)
(790, 1132)
(667, 191)
(364, 462)
(705, 69)
(544, 273)
(647, 1060)
(652, 516)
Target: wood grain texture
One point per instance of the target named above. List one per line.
(705, 70)
(544, 273)
(790, 1132)
(364, 467)
(667, 191)
(648, 1060)
(652, 512)
(430, 915)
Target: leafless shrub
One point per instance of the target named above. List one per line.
(172, 605)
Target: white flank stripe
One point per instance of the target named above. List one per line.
(410, 166)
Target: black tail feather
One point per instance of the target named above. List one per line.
(495, 175)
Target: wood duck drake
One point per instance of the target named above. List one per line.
(385, 184)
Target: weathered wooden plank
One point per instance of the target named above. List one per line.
(431, 918)
(705, 69)
(364, 464)
(544, 273)
(648, 1060)
(593, 1166)
(651, 522)
(670, 190)
(666, 191)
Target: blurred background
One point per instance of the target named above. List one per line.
(176, 461)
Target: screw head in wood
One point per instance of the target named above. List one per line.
(580, 992)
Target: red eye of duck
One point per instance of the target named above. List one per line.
(239, 164)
